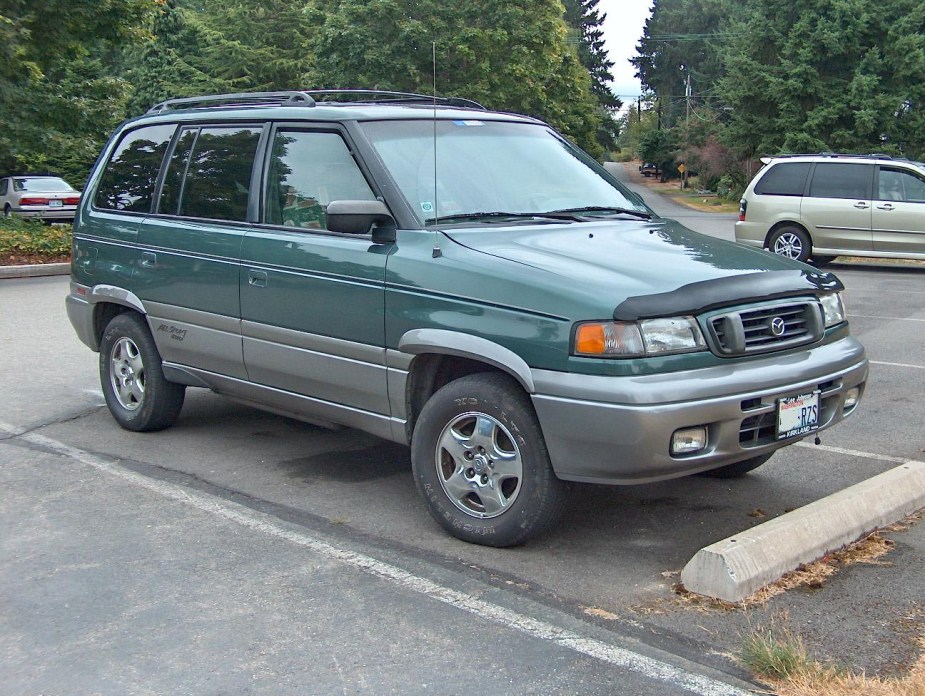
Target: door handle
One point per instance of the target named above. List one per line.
(861, 205)
(148, 260)
(257, 278)
(885, 206)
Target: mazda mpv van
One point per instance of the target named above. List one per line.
(461, 281)
(822, 206)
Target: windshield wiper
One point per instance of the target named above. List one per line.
(498, 214)
(601, 210)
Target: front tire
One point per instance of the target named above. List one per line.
(480, 461)
(791, 242)
(136, 392)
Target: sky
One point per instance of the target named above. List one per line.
(622, 31)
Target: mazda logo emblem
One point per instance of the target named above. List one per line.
(777, 326)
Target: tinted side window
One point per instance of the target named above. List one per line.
(836, 180)
(218, 163)
(176, 170)
(308, 171)
(4, 185)
(129, 178)
(788, 179)
(900, 185)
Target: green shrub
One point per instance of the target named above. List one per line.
(18, 236)
(730, 187)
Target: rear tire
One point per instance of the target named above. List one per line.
(791, 242)
(136, 392)
(480, 461)
(738, 469)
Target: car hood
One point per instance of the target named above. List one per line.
(654, 268)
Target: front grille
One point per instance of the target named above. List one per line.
(766, 328)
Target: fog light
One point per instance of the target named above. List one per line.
(689, 440)
(851, 398)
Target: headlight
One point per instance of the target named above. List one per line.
(833, 308)
(638, 339)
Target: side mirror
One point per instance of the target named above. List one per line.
(359, 217)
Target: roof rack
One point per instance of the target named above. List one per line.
(379, 96)
(309, 98)
(835, 155)
(288, 98)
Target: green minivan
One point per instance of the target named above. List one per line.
(458, 280)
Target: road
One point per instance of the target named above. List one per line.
(243, 552)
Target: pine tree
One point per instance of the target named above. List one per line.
(586, 21)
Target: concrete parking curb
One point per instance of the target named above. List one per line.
(36, 269)
(735, 567)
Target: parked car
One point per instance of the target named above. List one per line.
(822, 206)
(459, 280)
(43, 197)
(648, 169)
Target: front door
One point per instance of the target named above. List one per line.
(312, 300)
(899, 212)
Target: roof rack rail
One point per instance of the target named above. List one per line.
(380, 96)
(310, 97)
(835, 155)
(287, 98)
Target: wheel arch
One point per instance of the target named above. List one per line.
(107, 302)
(442, 356)
(780, 225)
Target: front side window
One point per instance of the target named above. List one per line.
(307, 171)
(900, 185)
(210, 173)
(837, 180)
(460, 168)
(128, 181)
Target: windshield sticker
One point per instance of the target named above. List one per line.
(469, 123)
(427, 207)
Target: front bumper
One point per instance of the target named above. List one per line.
(618, 429)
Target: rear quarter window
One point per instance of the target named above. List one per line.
(128, 181)
(787, 179)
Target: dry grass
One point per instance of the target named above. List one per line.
(780, 659)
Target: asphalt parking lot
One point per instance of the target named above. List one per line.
(240, 551)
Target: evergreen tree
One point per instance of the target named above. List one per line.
(59, 98)
(827, 75)
(586, 22)
(507, 54)
(682, 39)
(163, 67)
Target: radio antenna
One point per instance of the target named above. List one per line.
(436, 251)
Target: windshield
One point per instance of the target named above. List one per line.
(485, 169)
(45, 185)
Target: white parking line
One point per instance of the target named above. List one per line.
(856, 453)
(251, 519)
(892, 364)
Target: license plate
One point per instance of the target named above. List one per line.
(55, 204)
(797, 415)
